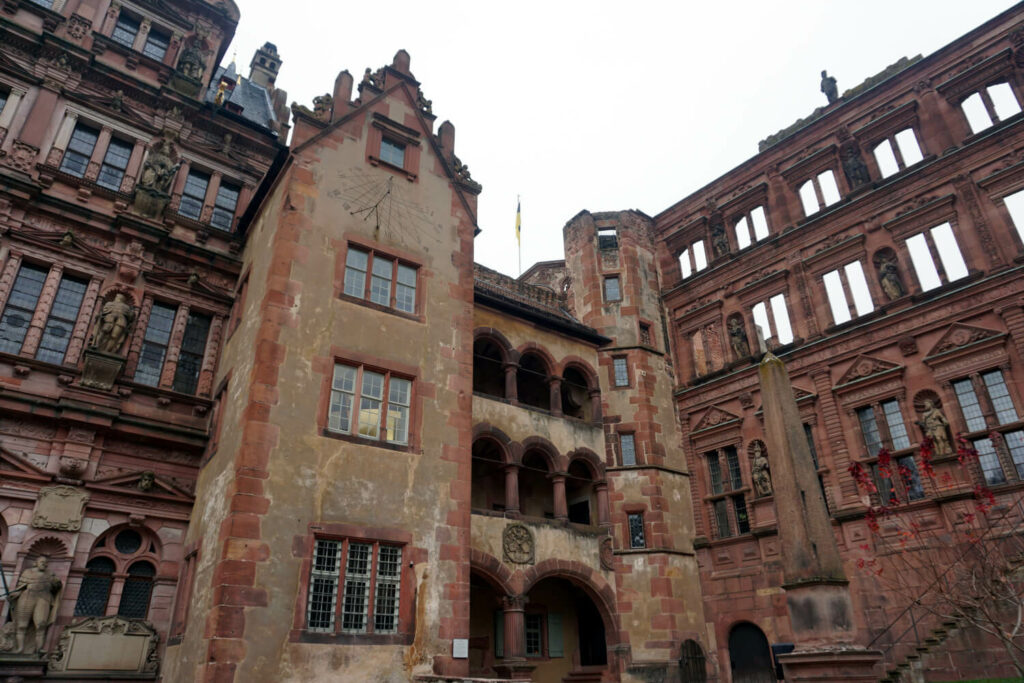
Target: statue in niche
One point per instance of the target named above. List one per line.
(192, 63)
(159, 170)
(719, 242)
(113, 324)
(760, 472)
(34, 603)
(738, 339)
(828, 86)
(889, 278)
(936, 427)
(854, 168)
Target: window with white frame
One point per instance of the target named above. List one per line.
(844, 285)
(354, 587)
(753, 223)
(369, 404)
(380, 279)
(925, 246)
(392, 152)
(990, 105)
(693, 259)
(819, 192)
(772, 318)
(897, 152)
(1015, 206)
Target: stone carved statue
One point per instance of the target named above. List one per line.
(192, 63)
(828, 86)
(935, 426)
(159, 170)
(34, 603)
(738, 339)
(323, 105)
(147, 480)
(854, 168)
(760, 472)
(113, 324)
(719, 242)
(889, 277)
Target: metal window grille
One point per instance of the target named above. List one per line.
(636, 531)
(154, 344)
(357, 588)
(137, 588)
(388, 589)
(1001, 401)
(193, 347)
(323, 585)
(692, 664)
(128, 541)
(61, 320)
(95, 588)
(21, 306)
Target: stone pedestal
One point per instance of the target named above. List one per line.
(762, 513)
(515, 670)
(830, 664)
(21, 667)
(101, 369)
(150, 203)
(820, 613)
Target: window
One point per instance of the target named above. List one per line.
(991, 468)
(733, 461)
(998, 395)
(115, 161)
(895, 435)
(699, 258)
(714, 472)
(898, 152)
(850, 279)
(154, 344)
(371, 276)
(190, 359)
(636, 530)
(125, 30)
(990, 105)
(124, 563)
(156, 45)
(645, 335)
(627, 446)
(392, 152)
(742, 519)
(137, 588)
(819, 192)
(48, 4)
(534, 631)
(722, 518)
(79, 151)
(910, 477)
(194, 195)
(1015, 205)
(773, 321)
(620, 370)
(924, 246)
(607, 238)
(375, 418)
(754, 219)
(95, 589)
(224, 206)
(611, 289)
(61, 321)
(3, 99)
(21, 306)
(369, 577)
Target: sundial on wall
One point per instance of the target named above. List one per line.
(381, 200)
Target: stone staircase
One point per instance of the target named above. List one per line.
(908, 670)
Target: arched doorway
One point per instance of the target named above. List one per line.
(692, 664)
(485, 624)
(749, 656)
(565, 631)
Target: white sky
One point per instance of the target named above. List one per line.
(600, 105)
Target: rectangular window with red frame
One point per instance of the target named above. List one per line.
(354, 587)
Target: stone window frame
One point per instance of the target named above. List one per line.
(622, 431)
(381, 127)
(219, 175)
(742, 206)
(149, 551)
(419, 390)
(835, 257)
(885, 127)
(148, 23)
(303, 549)
(633, 511)
(688, 322)
(1000, 185)
(183, 599)
(995, 69)
(398, 256)
(808, 170)
(14, 92)
(618, 286)
(629, 372)
(697, 230)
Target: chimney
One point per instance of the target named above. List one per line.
(342, 94)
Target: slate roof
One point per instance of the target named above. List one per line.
(253, 99)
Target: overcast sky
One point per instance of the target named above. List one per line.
(600, 105)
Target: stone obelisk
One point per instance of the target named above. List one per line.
(817, 592)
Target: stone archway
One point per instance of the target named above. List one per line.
(750, 658)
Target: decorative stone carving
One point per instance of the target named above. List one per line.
(147, 480)
(760, 473)
(607, 554)
(713, 417)
(323, 107)
(21, 157)
(935, 426)
(152, 193)
(34, 603)
(112, 325)
(517, 544)
(78, 27)
(60, 508)
(101, 370)
(907, 345)
(889, 276)
(719, 242)
(738, 338)
(960, 335)
(192, 63)
(72, 468)
(829, 87)
(854, 168)
(107, 644)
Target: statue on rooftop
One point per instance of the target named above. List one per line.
(828, 86)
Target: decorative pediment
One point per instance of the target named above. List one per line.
(866, 367)
(16, 465)
(801, 395)
(142, 483)
(714, 417)
(193, 282)
(959, 336)
(66, 242)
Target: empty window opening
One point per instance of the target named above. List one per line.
(819, 192)
(771, 318)
(536, 493)
(989, 106)
(576, 395)
(693, 259)
(487, 489)
(755, 220)
(1015, 205)
(579, 493)
(923, 249)
(532, 382)
(488, 370)
(607, 238)
(848, 293)
(898, 152)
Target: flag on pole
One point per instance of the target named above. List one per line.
(519, 222)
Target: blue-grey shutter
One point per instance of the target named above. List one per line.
(555, 647)
(499, 633)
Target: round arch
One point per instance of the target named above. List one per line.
(592, 584)
(750, 658)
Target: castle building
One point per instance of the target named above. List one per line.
(266, 419)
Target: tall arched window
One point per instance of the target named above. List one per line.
(123, 563)
(137, 589)
(95, 590)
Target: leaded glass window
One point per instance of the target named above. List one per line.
(79, 151)
(136, 591)
(21, 306)
(115, 161)
(154, 344)
(193, 347)
(95, 588)
(61, 321)
(637, 538)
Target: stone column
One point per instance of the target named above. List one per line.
(174, 347)
(141, 323)
(7, 275)
(81, 330)
(7, 114)
(142, 35)
(205, 385)
(603, 516)
(846, 491)
(555, 392)
(515, 627)
(558, 483)
(595, 406)
(179, 184)
(60, 143)
(46, 297)
(511, 389)
(92, 171)
(512, 489)
(131, 173)
(1013, 316)
(211, 197)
